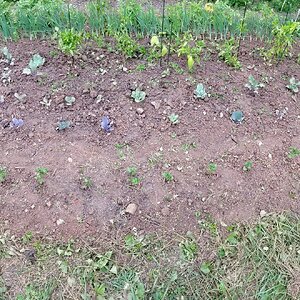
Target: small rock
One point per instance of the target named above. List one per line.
(84, 57)
(165, 211)
(131, 209)
(155, 104)
(30, 135)
(70, 160)
(85, 91)
(60, 222)
(140, 111)
(49, 204)
(262, 213)
(1, 99)
(93, 94)
(190, 202)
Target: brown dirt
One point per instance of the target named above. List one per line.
(229, 196)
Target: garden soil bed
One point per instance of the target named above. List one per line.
(102, 82)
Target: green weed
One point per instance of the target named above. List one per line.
(247, 166)
(293, 152)
(167, 176)
(69, 41)
(212, 168)
(174, 119)
(3, 174)
(188, 248)
(293, 85)
(133, 178)
(40, 174)
(228, 53)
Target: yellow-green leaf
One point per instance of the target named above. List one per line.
(164, 51)
(190, 62)
(154, 41)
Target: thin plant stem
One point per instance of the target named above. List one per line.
(241, 29)
(169, 46)
(162, 30)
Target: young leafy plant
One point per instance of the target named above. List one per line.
(138, 95)
(293, 85)
(86, 182)
(69, 41)
(63, 125)
(174, 119)
(3, 174)
(70, 100)
(293, 152)
(228, 53)
(253, 85)
(7, 55)
(247, 166)
(133, 178)
(284, 36)
(128, 46)
(167, 176)
(40, 174)
(191, 48)
(212, 168)
(188, 248)
(35, 62)
(200, 92)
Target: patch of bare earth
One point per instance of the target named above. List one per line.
(101, 82)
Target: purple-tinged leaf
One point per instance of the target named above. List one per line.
(17, 122)
(105, 124)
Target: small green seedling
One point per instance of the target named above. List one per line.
(188, 146)
(200, 92)
(247, 166)
(7, 55)
(294, 152)
(294, 85)
(40, 174)
(132, 172)
(212, 168)
(253, 85)
(70, 100)
(35, 62)
(188, 248)
(205, 268)
(86, 182)
(138, 95)
(140, 67)
(3, 174)
(135, 181)
(174, 119)
(63, 125)
(168, 177)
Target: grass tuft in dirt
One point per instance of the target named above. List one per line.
(258, 261)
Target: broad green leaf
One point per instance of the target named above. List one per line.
(164, 51)
(205, 268)
(36, 62)
(190, 62)
(138, 95)
(237, 116)
(155, 41)
(200, 92)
